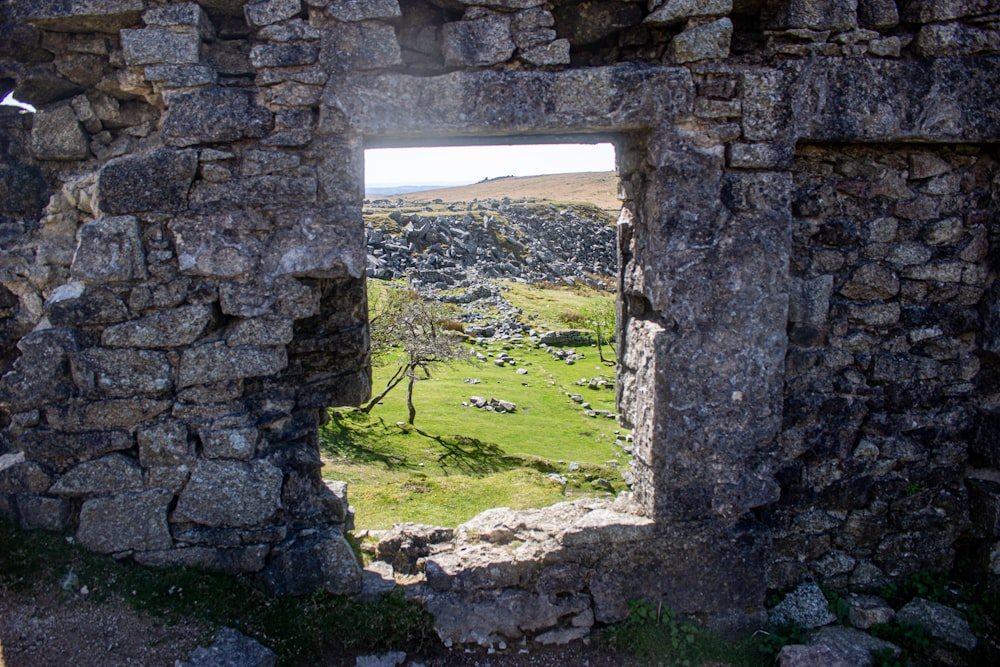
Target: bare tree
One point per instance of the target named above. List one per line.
(599, 317)
(401, 320)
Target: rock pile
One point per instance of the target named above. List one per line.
(828, 643)
(493, 239)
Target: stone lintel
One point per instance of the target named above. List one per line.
(487, 103)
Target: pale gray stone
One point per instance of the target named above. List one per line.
(553, 53)
(265, 12)
(76, 304)
(956, 39)
(809, 300)
(478, 43)
(181, 14)
(806, 607)
(181, 76)
(177, 327)
(799, 655)
(231, 649)
(213, 115)
(230, 560)
(678, 11)
(125, 522)
(834, 15)
(941, 622)
(121, 372)
(866, 611)
(57, 135)
(364, 10)
(215, 362)
(79, 16)
(261, 331)
(229, 443)
(109, 250)
(849, 645)
(230, 493)
(163, 444)
(159, 46)
(366, 45)
(707, 41)
(311, 561)
(155, 181)
(108, 475)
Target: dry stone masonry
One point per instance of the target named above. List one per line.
(807, 270)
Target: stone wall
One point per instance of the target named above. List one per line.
(807, 291)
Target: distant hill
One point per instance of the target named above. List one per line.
(593, 187)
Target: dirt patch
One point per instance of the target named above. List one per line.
(41, 627)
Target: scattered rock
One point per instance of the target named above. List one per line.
(941, 622)
(805, 607)
(231, 649)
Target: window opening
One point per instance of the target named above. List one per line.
(492, 281)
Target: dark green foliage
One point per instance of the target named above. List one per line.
(769, 644)
(296, 628)
(838, 606)
(655, 636)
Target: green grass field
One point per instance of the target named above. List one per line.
(458, 461)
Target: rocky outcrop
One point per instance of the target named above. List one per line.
(489, 240)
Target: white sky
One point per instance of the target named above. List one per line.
(10, 101)
(453, 165)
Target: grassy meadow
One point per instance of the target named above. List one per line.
(457, 461)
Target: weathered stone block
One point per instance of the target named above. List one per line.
(163, 444)
(206, 248)
(678, 11)
(312, 561)
(553, 53)
(181, 76)
(956, 39)
(79, 15)
(229, 443)
(364, 10)
(760, 155)
(158, 46)
(707, 41)
(230, 493)
(940, 621)
(232, 560)
(878, 14)
(88, 415)
(57, 135)
(42, 512)
(181, 14)
(282, 55)
(61, 450)
(265, 12)
(20, 476)
(76, 304)
(214, 115)
(154, 181)
(41, 374)
(834, 15)
(361, 46)
(109, 250)
(261, 331)
(106, 476)
(478, 43)
(121, 373)
(216, 362)
(315, 248)
(169, 328)
(125, 522)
